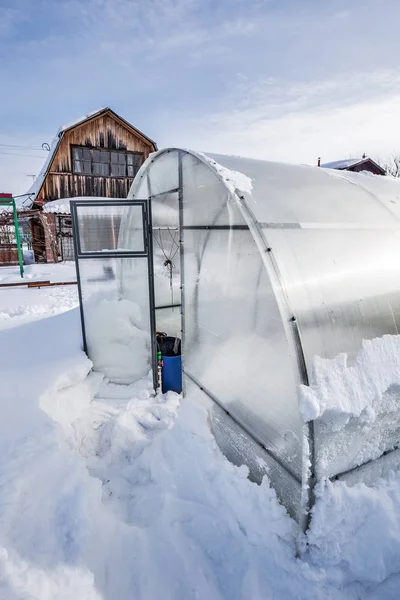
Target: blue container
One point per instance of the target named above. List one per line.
(171, 377)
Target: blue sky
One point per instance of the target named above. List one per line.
(278, 79)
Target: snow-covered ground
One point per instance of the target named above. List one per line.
(19, 304)
(110, 493)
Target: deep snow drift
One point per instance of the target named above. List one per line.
(109, 493)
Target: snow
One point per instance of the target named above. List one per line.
(110, 492)
(357, 529)
(20, 305)
(342, 164)
(119, 347)
(234, 180)
(338, 391)
(355, 408)
(24, 202)
(37, 184)
(58, 206)
(62, 206)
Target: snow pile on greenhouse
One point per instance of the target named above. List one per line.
(338, 392)
(234, 180)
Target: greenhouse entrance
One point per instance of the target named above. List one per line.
(116, 287)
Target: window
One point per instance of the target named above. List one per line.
(100, 163)
(82, 160)
(105, 163)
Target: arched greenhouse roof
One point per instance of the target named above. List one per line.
(288, 193)
(300, 194)
(280, 265)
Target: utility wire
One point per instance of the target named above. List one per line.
(27, 155)
(25, 147)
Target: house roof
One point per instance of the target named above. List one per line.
(25, 201)
(350, 162)
(342, 164)
(96, 113)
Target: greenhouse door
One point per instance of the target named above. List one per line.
(115, 281)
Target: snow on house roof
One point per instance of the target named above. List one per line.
(31, 194)
(348, 163)
(62, 206)
(23, 202)
(58, 206)
(76, 122)
(343, 164)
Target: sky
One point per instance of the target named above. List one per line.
(284, 80)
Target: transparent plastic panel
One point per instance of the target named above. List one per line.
(165, 210)
(343, 288)
(164, 173)
(166, 261)
(206, 198)
(384, 188)
(168, 320)
(117, 316)
(300, 194)
(342, 285)
(139, 188)
(100, 226)
(235, 343)
(240, 450)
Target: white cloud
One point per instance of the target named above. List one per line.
(331, 119)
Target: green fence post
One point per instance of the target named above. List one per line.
(18, 239)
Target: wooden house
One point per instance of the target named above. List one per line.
(97, 155)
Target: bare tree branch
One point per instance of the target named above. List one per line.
(392, 165)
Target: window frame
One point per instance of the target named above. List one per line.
(110, 163)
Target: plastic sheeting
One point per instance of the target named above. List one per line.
(278, 264)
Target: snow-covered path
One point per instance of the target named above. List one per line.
(110, 493)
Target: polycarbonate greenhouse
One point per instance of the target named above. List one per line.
(259, 267)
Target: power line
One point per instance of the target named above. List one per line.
(25, 147)
(27, 155)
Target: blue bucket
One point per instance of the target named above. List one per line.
(171, 376)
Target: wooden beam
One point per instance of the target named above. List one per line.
(19, 284)
(37, 284)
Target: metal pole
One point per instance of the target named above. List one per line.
(18, 239)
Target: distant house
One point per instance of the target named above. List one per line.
(356, 165)
(96, 155)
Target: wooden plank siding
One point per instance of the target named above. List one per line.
(104, 131)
